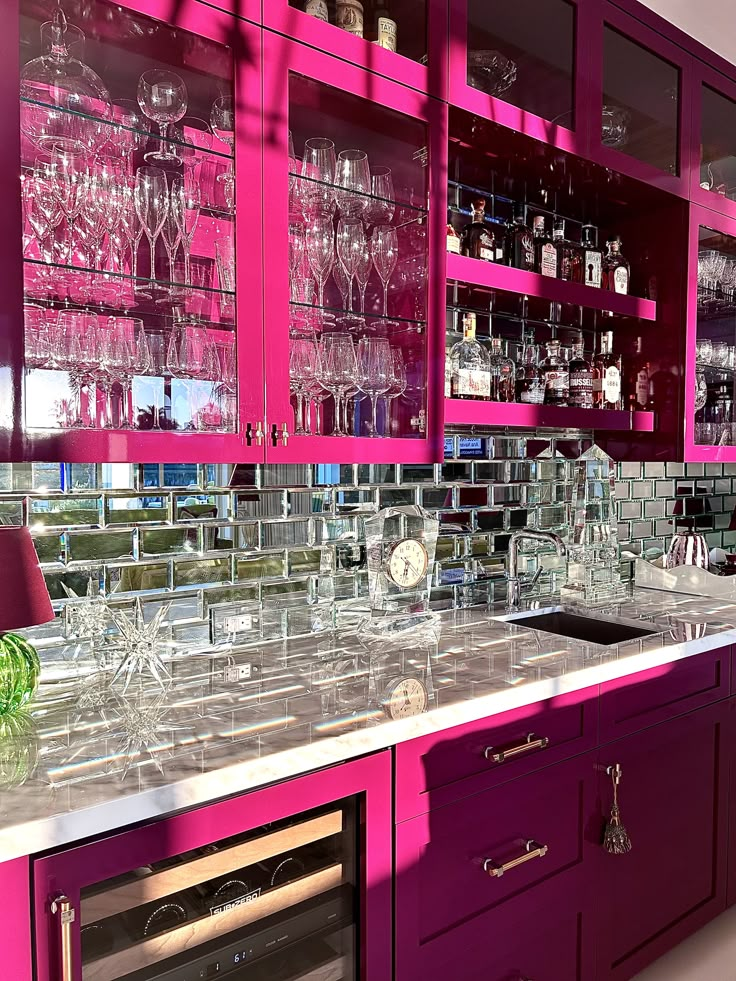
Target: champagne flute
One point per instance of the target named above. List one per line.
(385, 250)
(363, 270)
(353, 181)
(151, 196)
(222, 120)
(375, 372)
(162, 95)
(68, 172)
(350, 241)
(321, 252)
(383, 205)
(186, 202)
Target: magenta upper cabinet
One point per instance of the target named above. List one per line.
(524, 65)
(141, 335)
(641, 124)
(714, 141)
(405, 40)
(710, 375)
(354, 261)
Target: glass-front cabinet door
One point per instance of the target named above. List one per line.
(714, 123)
(521, 64)
(210, 894)
(353, 262)
(710, 419)
(136, 140)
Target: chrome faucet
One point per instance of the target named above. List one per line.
(515, 585)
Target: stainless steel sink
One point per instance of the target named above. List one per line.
(601, 630)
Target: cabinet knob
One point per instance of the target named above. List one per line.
(260, 434)
(284, 434)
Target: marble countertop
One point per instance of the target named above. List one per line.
(86, 761)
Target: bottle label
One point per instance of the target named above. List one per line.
(318, 9)
(533, 393)
(621, 280)
(526, 249)
(652, 291)
(471, 383)
(612, 384)
(453, 244)
(592, 268)
(642, 387)
(349, 16)
(565, 265)
(448, 378)
(487, 253)
(499, 253)
(557, 382)
(387, 33)
(548, 264)
(581, 389)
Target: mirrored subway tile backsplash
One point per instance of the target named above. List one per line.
(224, 541)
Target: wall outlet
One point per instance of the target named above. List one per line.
(237, 672)
(237, 623)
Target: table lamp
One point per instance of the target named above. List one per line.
(24, 602)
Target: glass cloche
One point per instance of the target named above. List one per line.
(63, 101)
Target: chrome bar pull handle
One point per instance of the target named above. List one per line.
(284, 434)
(62, 907)
(533, 850)
(532, 743)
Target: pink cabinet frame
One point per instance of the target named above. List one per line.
(703, 75)
(15, 884)
(431, 78)
(281, 56)
(70, 871)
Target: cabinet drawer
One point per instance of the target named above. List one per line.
(460, 863)
(446, 766)
(648, 697)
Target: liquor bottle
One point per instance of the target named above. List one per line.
(581, 377)
(637, 379)
(529, 376)
(477, 240)
(545, 254)
(565, 250)
(453, 238)
(503, 373)
(318, 9)
(590, 267)
(471, 376)
(607, 375)
(385, 33)
(349, 16)
(520, 242)
(616, 272)
(556, 376)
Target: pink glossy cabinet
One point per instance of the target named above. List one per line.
(354, 272)
(15, 882)
(139, 131)
(713, 182)
(243, 888)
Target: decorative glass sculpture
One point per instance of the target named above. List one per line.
(19, 671)
(593, 571)
(140, 645)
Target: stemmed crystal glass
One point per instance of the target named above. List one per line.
(320, 240)
(68, 170)
(383, 205)
(353, 182)
(375, 372)
(317, 194)
(304, 368)
(128, 133)
(343, 284)
(363, 270)
(41, 209)
(151, 198)
(222, 120)
(162, 95)
(186, 201)
(397, 385)
(350, 242)
(113, 360)
(339, 366)
(385, 250)
(171, 237)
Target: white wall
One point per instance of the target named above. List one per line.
(712, 22)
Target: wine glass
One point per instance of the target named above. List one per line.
(397, 384)
(320, 240)
(186, 202)
(353, 181)
(151, 198)
(222, 120)
(363, 270)
(130, 356)
(339, 366)
(385, 250)
(375, 372)
(162, 95)
(195, 135)
(350, 242)
(383, 205)
(303, 366)
(317, 194)
(68, 170)
(129, 130)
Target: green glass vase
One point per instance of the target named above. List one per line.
(19, 671)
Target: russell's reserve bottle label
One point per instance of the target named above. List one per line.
(581, 389)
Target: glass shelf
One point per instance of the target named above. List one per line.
(348, 314)
(396, 202)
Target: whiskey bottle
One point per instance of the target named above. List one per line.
(607, 375)
(477, 240)
(616, 272)
(349, 16)
(318, 9)
(545, 254)
(591, 258)
(637, 379)
(565, 250)
(556, 376)
(471, 375)
(502, 373)
(385, 33)
(581, 377)
(453, 238)
(520, 242)
(529, 376)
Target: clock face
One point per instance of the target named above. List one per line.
(407, 564)
(404, 698)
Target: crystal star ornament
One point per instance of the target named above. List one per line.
(144, 730)
(140, 645)
(93, 694)
(88, 619)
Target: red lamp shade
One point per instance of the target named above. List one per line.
(24, 598)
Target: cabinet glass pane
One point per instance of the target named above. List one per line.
(128, 191)
(276, 902)
(358, 254)
(641, 103)
(524, 53)
(399, 25)
(718, 143)
(715, 353)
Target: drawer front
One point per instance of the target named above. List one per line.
(462, 862)
(648, 697)
(444, 767)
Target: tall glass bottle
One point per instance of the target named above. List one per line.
(502, 373)
(545, 254)
(616, 271)
(318, 9)
(581, 377)
(637, 379)
(529, 376)
(589, 268)
(556, 376)
(385, 31)
(470, 370)
(520, 242)
(607, 375)
(477, 240)
(565, 251)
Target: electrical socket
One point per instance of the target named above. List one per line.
(234, 673)
(238, 623)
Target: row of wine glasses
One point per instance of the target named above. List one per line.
(336, 366)
(717, 272)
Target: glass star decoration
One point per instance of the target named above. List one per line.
(93, 694)
(89, 618)
(144, 730)
(140, 645)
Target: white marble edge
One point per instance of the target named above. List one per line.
(51, 832)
